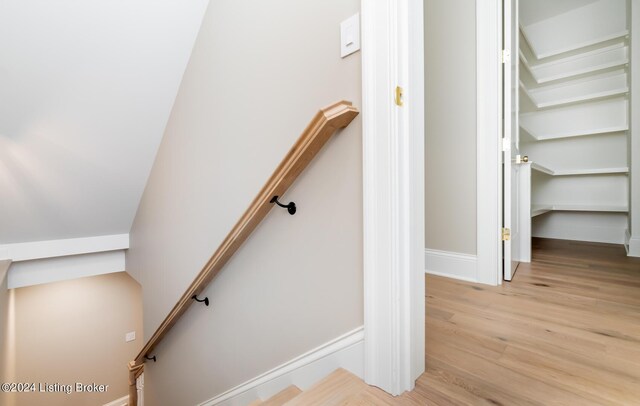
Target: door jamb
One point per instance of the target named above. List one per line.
(489, 134)
(393, 181)
(393, 195)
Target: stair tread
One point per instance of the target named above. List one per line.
(281, 397)
(342, 388)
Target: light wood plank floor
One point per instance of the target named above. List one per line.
(565, 331)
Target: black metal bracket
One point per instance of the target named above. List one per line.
(205, 300)
(150, 358)
(291, 207)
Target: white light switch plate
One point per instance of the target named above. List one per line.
(350, 35)
(130, 336)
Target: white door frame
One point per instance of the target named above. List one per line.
(489, 134)
(633, 233)
(393, 173)
(393, 166)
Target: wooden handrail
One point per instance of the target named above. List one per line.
(325, 123)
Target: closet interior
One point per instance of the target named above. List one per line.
(574, 116)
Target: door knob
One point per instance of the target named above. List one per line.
(525, 159)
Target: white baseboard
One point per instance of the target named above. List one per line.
(451, 265)
(632, 244)
(123, 401)
(346, 351)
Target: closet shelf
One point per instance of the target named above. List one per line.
(590, 88)
(595, 117)
(595, 60)
(579, 172)
(581, 98)
(538, 209)
(543, 169)
(549, 137)
(592, 23)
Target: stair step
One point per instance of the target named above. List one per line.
(344, 389)
(545, 41)
(575, 120)
(578, 90)
(279, 398)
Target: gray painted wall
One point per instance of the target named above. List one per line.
(258, 73)
(450, 125)
(73, 331)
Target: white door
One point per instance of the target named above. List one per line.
(511, 142)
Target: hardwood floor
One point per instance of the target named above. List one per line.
(565, 331)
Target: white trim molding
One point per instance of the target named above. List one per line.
(489, 186)
(634, 131)
(28, 251)
(393, 172)
(632, 245)
(41, 271)
(451, 265)
(346, 351)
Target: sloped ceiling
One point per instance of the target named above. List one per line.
(86, 88)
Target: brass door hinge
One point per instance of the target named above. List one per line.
(506, 55)
(399, 91)
(506, 234)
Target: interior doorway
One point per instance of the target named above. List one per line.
(566, 123)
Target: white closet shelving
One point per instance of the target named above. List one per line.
(591, 22)
(539, 209)
(599, 86)
(586, 118)
(574, 91)
(597, 58)
(579, 172)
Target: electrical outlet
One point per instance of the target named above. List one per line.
(130, 336)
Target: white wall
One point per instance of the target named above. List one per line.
(258, 73)
(450, 125)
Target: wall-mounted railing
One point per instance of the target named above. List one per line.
(325, 123)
